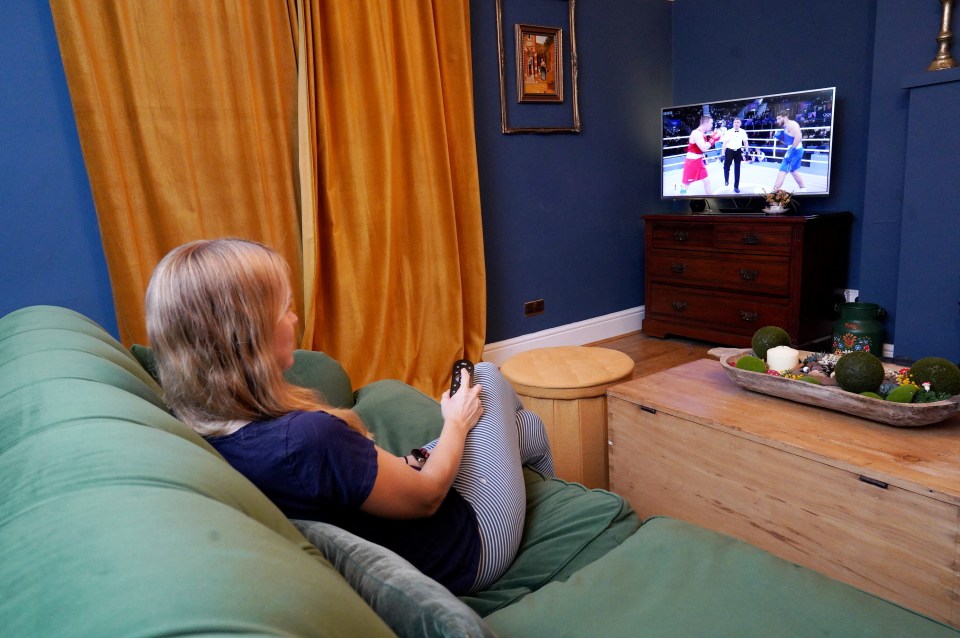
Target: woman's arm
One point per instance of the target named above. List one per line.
(402, 492)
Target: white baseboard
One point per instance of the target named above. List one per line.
(573, 334)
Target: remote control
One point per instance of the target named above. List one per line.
(462, 364)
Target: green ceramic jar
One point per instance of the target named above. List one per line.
(858, 328)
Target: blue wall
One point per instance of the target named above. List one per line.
(50, 249)
(908, 234)
(562, 212)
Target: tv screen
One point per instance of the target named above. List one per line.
(749, 147)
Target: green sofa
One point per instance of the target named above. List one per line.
(117, 520)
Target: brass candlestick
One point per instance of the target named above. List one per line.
(944, 60)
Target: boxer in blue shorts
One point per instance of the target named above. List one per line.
(792, 159)
(792, 137)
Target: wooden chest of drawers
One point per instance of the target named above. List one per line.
(721, 277)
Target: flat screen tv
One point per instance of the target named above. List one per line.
(704, 145)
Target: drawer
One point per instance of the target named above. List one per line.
(680, 235)
(740, 313)
(754, 238)
(748, 273)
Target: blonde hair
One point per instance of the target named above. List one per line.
(213, 307)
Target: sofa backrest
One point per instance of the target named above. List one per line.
(116, 519)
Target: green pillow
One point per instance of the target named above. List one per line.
(567, 527)
(400, 416)
(323, 374)
(147, 358)
(411, 603)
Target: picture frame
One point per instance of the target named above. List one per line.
(539, 54)
(551, 103)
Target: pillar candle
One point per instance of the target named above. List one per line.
(782, 358)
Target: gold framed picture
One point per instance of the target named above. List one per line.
(539, 53)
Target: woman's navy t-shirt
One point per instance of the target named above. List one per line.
(313, 466)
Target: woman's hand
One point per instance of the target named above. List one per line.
(463, 409)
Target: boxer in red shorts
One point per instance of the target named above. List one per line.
(694, 166)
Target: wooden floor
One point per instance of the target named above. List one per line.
(652, 354)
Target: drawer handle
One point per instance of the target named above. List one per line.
(679, 306)
(873, 481)
(678, 268)
(748, 316)
(748, 275)
(681, 235)
(751, 239)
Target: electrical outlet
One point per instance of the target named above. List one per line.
(533, 308)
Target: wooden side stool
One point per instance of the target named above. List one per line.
(567, 387)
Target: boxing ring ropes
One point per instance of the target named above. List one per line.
(675, 151)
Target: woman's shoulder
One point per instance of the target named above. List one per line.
(315, 424)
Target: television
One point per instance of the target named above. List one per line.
(705, 164)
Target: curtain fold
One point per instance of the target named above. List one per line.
(400, 288)
(187, 116)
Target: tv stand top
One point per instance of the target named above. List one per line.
(741, 211)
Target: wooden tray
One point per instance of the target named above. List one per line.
(833, 398)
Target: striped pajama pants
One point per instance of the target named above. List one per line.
(490, 477)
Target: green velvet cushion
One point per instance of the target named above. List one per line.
(148, 359)
(675, 579)
(567, 527)
(320, 372)
(399, 416)
(411, 603)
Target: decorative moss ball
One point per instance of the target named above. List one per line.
(872, 395)
(859, 371)
(809, 379)
(768, 337)
(751, 363)
(902, 394)
(943, 375)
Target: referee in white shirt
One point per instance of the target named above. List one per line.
(735, 146)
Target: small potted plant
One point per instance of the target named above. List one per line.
(777, 201)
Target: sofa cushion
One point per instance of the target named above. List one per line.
(324, 374)
(675, 579)
(147, 358)
(567, 527)
(399, 416)
(411, 603)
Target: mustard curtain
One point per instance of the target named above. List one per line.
(187, 118)
(395, 247)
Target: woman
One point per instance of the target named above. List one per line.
(219, 317)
